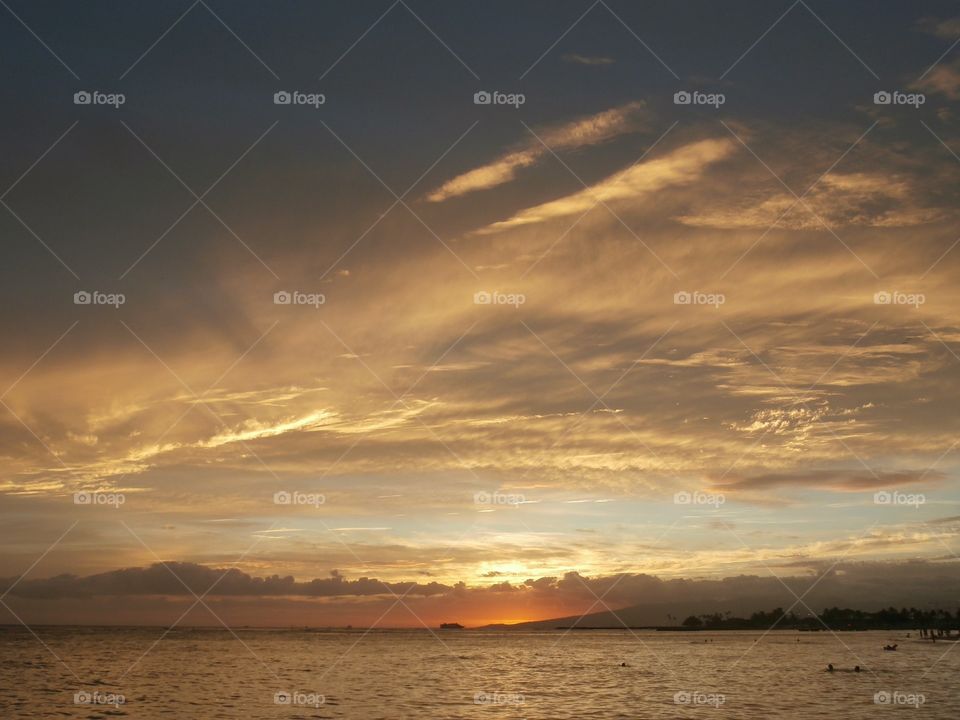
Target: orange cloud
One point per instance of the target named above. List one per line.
(585, 132)
(680, 167)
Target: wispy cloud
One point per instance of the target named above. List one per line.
(680, 167)
(585, 132)
(867, 199)
(943, 79)
(837, 480)
(948, 29)
(592, 60)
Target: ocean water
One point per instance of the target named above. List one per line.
(208, 673)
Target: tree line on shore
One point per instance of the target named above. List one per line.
(931, 621)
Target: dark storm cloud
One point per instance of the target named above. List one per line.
(177, 578)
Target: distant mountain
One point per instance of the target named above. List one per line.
(636, 616)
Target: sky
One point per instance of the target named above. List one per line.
(391, 355)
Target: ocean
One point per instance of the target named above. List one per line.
(69, 672)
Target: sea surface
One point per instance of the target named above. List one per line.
(215, 673)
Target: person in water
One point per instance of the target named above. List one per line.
(829, 667)
(856, 668)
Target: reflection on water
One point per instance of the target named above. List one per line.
(208, 673)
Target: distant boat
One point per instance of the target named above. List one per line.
(451, 626)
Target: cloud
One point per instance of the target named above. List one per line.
(867, 199)
(679, 167)
(944, 79)
(585, 132)
(179, 578)
(948, 29)
(500, 171)
(592, 60)
(131, 596)
(253, 430)
(400, 398)
(838, 480)
(497, 403)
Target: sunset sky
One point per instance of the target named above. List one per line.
(479, 462)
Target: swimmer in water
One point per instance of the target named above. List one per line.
(830, 667)
(856, 668)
